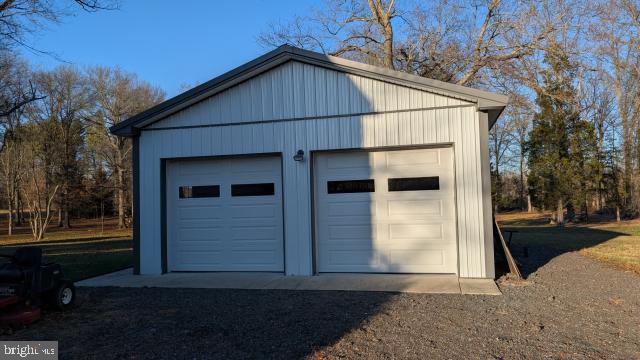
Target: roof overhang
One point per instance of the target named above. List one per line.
(490, 102)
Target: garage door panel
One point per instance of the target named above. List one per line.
(243, 226)
(352, 220)
(213, 224)
(253, 245)
(350, 232)
(261, 211)
(202, 234)
(399, 232)
(419, 208)
(225, 232)
(254, 257)
(270, 233)
(242, 166)
(354, 244)
(205, 212)
(412, 158)
(348, 208)
(199, 257)
(208, 244)
(347, 260)
(411, 229)
(357, 161)
(416, 258)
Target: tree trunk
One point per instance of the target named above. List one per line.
(19, 212)
(120, 196)
(383, 18)
(586, 210)
(627, 141)
(522, 181)
(130, 199)
(10, 218)
(560, 213)
(66, 220)
(120, 188)
(529, 205)
(618, 213)
(66, 173)
(388, 46)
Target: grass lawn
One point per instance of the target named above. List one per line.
(617, 244)
(83, 251)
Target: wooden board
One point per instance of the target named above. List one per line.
(513, 266)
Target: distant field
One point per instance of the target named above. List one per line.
(617, 244)
(82, 229)
(84, 251)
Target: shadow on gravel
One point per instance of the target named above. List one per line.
(206, 323)
(535, 246)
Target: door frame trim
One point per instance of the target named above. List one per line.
(314, 219)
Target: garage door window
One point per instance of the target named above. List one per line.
(350, 186)
(264, 189)
(414, 184)
(202, 191)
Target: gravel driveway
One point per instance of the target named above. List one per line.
(572, 307)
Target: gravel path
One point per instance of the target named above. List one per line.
(572, 307)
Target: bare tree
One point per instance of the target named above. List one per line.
(36, 189)
(16, 92)
(618, 37)
(453, 41)
(39, 206)
(118, 96)
(68, 101)
(500, 144)
(20, 18)
(357, 29)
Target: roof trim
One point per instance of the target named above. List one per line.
(486, 101)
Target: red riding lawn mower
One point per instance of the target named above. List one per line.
(27, 285)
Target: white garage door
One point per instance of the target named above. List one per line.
(225, 215)
(390, 211)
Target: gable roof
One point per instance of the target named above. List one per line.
(493, 103)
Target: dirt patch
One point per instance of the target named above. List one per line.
(572, 307)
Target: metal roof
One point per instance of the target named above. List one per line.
(485, 101)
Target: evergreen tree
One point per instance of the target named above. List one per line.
(561, 144)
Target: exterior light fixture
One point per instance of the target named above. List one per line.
(299, 156)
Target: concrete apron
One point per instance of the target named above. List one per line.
(408, 283)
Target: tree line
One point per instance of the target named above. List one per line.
(568, 141)
(58, 160)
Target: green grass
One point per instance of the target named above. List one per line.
(84, 258)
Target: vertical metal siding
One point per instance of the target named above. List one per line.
(296, 90)
(301, 90)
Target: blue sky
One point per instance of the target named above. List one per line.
(166, 44)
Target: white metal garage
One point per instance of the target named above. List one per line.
(225, 215)
(350, 168)
(386, 211)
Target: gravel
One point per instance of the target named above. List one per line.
(570, 307)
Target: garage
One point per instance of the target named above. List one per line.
(386, 211)
(304, 163)
(225, 215)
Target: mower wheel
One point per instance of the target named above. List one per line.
(63, 296)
